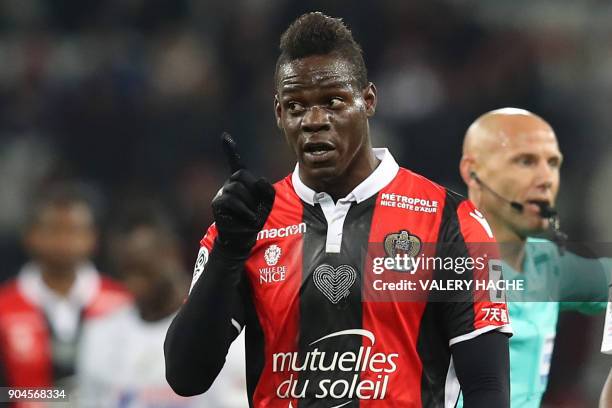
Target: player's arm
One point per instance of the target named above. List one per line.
(584, 282)
(605, 401)
(476, 321)
(482, 365)
(200, 335)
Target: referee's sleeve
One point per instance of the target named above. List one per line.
(584, 282)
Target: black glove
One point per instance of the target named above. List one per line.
(242, 206)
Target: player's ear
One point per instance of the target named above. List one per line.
(277, 111)
(467, 165)
(369, 97)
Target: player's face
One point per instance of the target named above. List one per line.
(144, 267)
(324, 116)
(526, 170)
(63, 236)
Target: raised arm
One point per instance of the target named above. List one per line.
(213, 314)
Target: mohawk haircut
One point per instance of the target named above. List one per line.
(317, 34)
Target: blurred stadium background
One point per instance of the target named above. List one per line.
(130, 96)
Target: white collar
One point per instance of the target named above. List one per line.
(81, 293)
(380, 177)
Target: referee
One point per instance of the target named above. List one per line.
(511, 164)
(288, 261)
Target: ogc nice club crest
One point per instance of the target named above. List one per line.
(402, 243)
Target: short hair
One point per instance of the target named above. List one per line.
(144, 213)
(317, 34)
(61, 195)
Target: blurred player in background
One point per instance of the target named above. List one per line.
(288, 262)
(511, 164)
(120, 362)
(43, 309)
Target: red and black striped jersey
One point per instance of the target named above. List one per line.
(316, 336)
(33, 353)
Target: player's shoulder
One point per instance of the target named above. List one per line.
(122, 317)
(285, 182)
(407, 179)
(9, 288)
(110, 285)
(285, 190)
(415, 183)
(10, 295)
(458, 212)
(287, 202)
(111, 296)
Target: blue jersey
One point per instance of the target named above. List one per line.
(560, 277)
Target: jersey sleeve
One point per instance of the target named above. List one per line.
(207, 244)
(209, 320)
(466, 235)
(584, 282)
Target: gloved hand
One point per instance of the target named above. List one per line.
(241, 207)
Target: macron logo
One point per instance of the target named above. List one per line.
(282, 232)
(477, 215)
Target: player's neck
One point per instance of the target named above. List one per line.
(163, 307)
(360, 169)
(59, 281)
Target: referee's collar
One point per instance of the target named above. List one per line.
(380, 177)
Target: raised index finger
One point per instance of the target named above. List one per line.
(231, 152)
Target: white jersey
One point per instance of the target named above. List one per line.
(121, 364)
